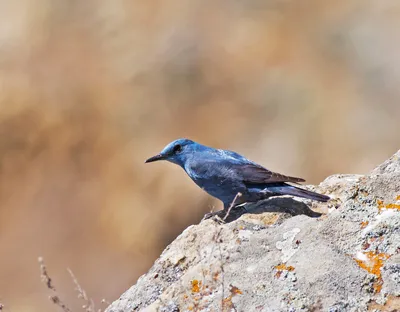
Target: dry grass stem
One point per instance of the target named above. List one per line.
(46, 279)
(89, 304)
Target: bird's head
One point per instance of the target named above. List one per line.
(176, 151)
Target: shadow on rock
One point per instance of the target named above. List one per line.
(276, 204)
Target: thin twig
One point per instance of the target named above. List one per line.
(89, 304)
(48, 282)
(232, 205)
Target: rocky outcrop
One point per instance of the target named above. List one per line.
(347, 259)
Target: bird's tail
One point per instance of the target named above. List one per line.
(287, 189)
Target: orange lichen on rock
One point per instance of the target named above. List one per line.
(364, 224)
(398, 197)
(393, 206)
(381, 205)
(283, 267)
(266, 219)
(235, 290)
(196, 285)
(378, 285)
(373, 262)
(227, 304)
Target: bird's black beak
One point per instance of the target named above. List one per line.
(155, 158)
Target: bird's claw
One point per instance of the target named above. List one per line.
(218, 219)
(214, 216)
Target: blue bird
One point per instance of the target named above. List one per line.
(223, 174)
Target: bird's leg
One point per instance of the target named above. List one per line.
(227, 206)
(232, 205)
(221, 215)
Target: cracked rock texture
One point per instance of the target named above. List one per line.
(281, 256)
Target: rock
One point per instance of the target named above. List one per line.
(347, 259)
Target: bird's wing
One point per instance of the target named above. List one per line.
(227, 164)
(251, 172)
(255, 174)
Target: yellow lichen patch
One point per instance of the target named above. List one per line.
(196, 285)
(270, 219)
(381, 205)
(372, 262)
(393, 206)
(236, 291)
(378, 285)
(283, 267)
(227, 304)
(265, 219)
(364, 224)
(398, 197)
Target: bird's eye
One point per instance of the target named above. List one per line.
(177, 148)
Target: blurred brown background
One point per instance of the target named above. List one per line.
(90, 89)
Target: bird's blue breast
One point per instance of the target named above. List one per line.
(214, 178)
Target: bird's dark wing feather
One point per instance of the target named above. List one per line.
(252, 173)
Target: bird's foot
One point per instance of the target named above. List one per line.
(215, 216)
(218, 219)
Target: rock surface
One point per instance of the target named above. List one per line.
(347, 259)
